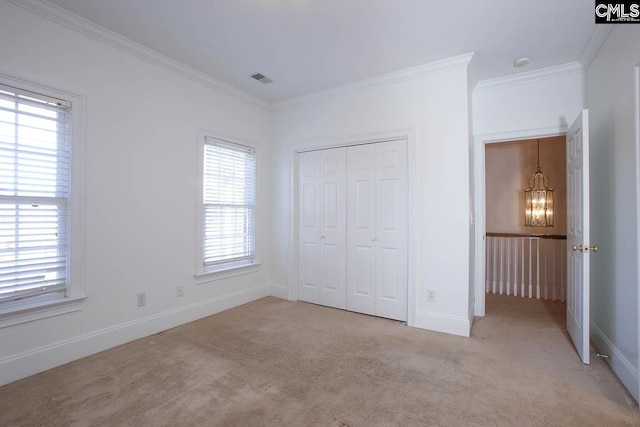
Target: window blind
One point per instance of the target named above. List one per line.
(229, 202)
(34, 190)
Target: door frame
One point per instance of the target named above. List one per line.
(410, 136)
(480, 142)
(636, 113)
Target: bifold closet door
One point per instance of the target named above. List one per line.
(377, 229)
(322, 236)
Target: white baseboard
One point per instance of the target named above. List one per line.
(443, 323)
(22, 365)
(622, 367)
(279, 291)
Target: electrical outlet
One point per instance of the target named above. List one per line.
(141, 299)
(179, 291)
(431, 295)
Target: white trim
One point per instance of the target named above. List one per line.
(225, 273)
(480, 198)
(455, 325)
(345, 141)
(223, 270)
(31, 362)
(529, 77)
(278, 291)
(91, 29)
(412, 206)
(40, 311)
(412, 259)
(514, 135)
(622, 367)
(636, 72)
(480, 227)
(76, 196)
(292, 281)
(76, 209)
(436, 67)
(594, 44)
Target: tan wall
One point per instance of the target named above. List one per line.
(508, 168)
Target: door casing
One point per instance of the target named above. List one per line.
(636, 72)
(479, 214)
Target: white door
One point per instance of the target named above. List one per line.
(578, 234)
(377, 229)
(391, 225)
(309, 230)
(361, 229)
(333, 232)
(322, 233)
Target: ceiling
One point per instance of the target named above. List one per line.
(307, 46)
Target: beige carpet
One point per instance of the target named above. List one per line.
(280, 363)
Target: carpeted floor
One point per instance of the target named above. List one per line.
(280, 363)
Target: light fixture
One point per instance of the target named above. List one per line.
(538, 199)
(522, 62)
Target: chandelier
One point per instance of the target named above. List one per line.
(538, 199)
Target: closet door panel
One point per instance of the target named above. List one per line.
(391, 230)
(361, 253)
(333, 233)
(389, 274)
(309, 231)
(363, 276)
(309, 272)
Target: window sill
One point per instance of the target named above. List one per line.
(225, 272)
(40, 310)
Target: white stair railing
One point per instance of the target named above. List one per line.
(532, 266)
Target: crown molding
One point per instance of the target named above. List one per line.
(437, 67)
(91, 29)
(529, 77)
(594, 44)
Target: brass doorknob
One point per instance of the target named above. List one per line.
(581, 248)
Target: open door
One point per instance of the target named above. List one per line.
(578, 234)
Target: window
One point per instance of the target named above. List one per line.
(34, 199)
(228, 196)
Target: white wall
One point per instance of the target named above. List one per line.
(614, 217)
(551, 101)
(435, 107)
(141, 128)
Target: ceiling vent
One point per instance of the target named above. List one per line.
(261, 78)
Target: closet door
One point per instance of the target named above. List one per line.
(333, 231)
(377, 217)
(391, 230)
(322, 215)
(309, 227)
(361, 228)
